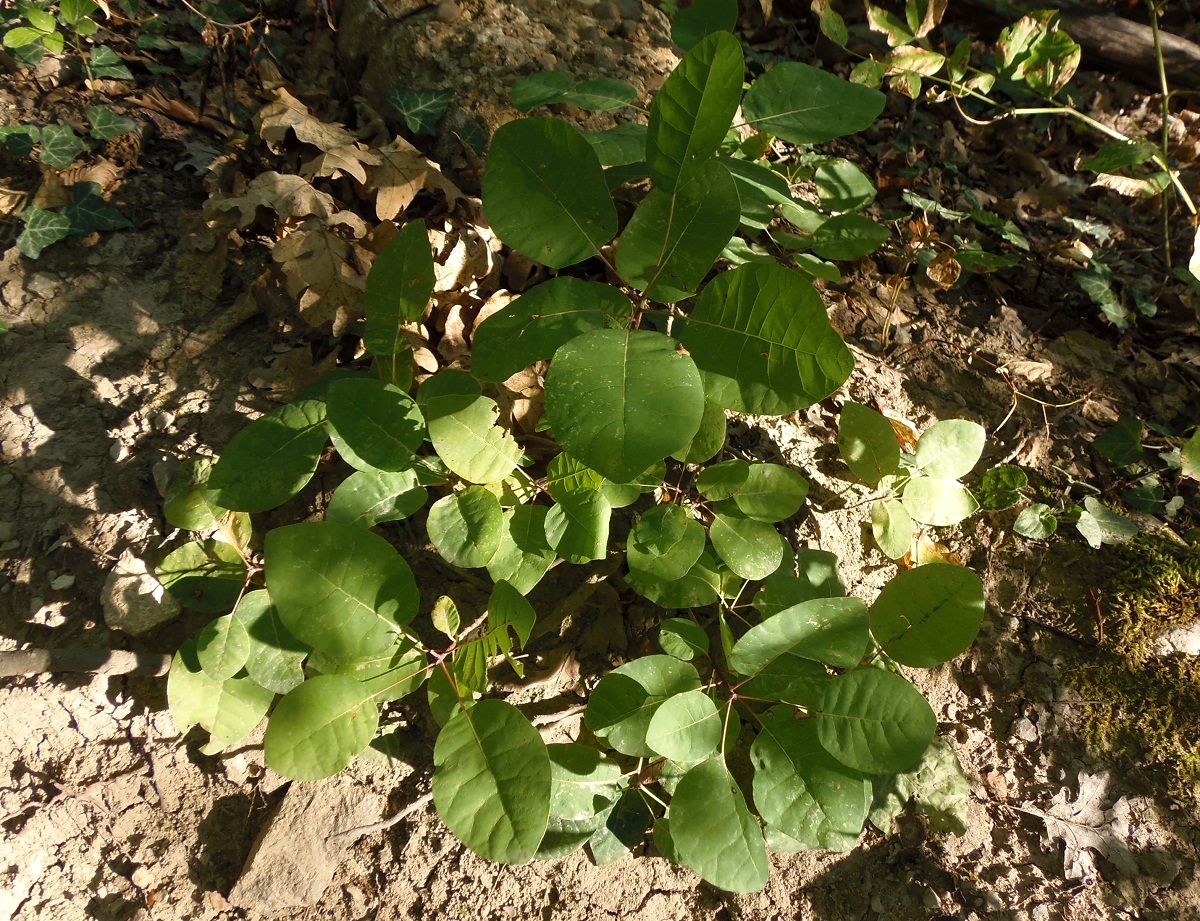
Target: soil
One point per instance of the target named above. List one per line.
(108, 813)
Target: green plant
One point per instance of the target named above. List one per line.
(638, 376)
(42, 29)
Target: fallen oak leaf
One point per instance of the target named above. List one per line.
(287, 195)
(318, 273)
(401, 174)
(287, 113)
(351, 159)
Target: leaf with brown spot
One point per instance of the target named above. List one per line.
(944, 270)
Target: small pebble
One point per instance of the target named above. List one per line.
(63, 582)
(118, 451)
(1025, 729)
(142, 878)
(449, 11)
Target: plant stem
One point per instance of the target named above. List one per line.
(1166, 128)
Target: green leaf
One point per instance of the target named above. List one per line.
(1122, 442)
(999, 488)
(700, 586)
(368, 497)
(73, 11)
(524, 554)
(601, 94)
(445, 617)
(319, 727)
(462, 426)
(540, 89)
(771, 492)
(466, 527)
(1101, 525)
(59, 146)
(339, 588)
(713, 831)
(205, 576)
(686, 727)
(874, 721)
(892, 527)
(544, 192)
(399, 287)
(673, 240)
(928, 615)
(492, 781)
(763, 343)
(709, 440)
(1189, 457)
(536, 324)
(800, 789)
(760, 189)
(40, 19)
(583, 783)
(842, 186)
(829, 630)
(223, 647)
(108, 124)
(621, 145)
(577, 526)
(20, 139)
(807, 105)
(379, 423)
(621, 400)
(1037, 522)
(271, 459)
(950, 449)
(275, 655)
(665, 543)
(869, 73)
(818, 579)
(753, 549)
(694, 109)
(1118, 155)
(107, 64)
(868, 443)
(42, 229)
(683, 639)
(22, 36)
(938, 502)
(88, 211)
(390, 675)
(507, 607)
(626, 699)
(228, 710)
(621, 827)
(848, 236)
(422, 109)
(937, 785)
(694, 23)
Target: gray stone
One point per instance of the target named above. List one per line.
(296, 854)
(134, 600)
(1183, 639)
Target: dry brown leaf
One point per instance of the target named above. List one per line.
(351, 159)
(316, 267)
(497, 302)
(10, 200)
(287, 113)
(401, 174)
(944, 270)
(288, 196)
(1030, 370)
(1127, 185)
(905, 431)
(103, 172)
(932, 551)
(453, 344)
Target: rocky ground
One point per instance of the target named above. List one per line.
(128, 351)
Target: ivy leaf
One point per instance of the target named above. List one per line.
(1000, 487)
(807, 105)
(624, 702)
(339, 588)
(672, 240)
(544, 192)
(928, 615)
(938, 502)
(763, 343)
(687, 727)
(379, 423)
(466, 527)
(59, 146)
(694, 109)
(693, 23)
(1100, 525)
(319, 727)
(274, 655)
(107, 64)
(830, 630)
(950, 449)
(874, 721)
(713, 831)
(369, 497)
(492, 781)
(422, 109)
(107, 124)
(524, 554)
(752, 549)
(536, 324)
(848, 236)
(1189, 457)
(867, 443)
(621, 400)
(1122, 442)
(462, 426)
(228, 710)
(42, 229)
(1037, 522)
(88, 211)
(540, 89)
(803, 791)
(398, 290)
(204, 576)
(271, 459)
(683, 639)
(665, 543)
(223, 647)
(892, 527)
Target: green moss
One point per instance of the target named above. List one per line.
(1143, 708)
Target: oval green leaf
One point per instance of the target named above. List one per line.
(623, 703)
(874, 721)
(867, 443)
(709, 440)
(752, 549)
(665, 543)
(399, 287)
(848, 236)
(462, 426)
(807, 105)
(938, 502)
(466, 527)
(950, 449)
(687, 727)
(928, 615)
(275, 656)
(829, 630)
(228, 709)
(319, 727)
(379, 422)
(368, 497)
(524, 554)
(223, 647)
(683, 639)
(204, 575)
(892, 527)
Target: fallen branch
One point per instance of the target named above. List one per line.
(415, 806)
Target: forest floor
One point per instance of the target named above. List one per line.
(128, 351)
